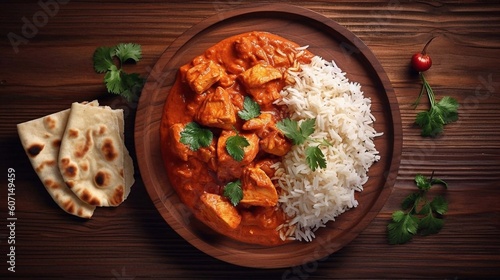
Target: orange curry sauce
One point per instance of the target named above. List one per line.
(210, 91)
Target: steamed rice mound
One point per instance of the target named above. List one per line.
(312, 198)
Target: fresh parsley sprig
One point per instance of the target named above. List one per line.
(299, 134)
(118, 81)
(432, 122)
(419, 215)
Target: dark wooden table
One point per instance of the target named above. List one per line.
(45, 64)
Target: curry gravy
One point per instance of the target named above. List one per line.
(250, 64)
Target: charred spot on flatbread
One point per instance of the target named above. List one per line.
(56, 143)
(45, 163)
(35, 149)
(49, 123)
(84, 166)
(102, 130)
(81, 150)
(68, 169)
(51, 184)
(73, 133)
(69, 206)
(108, 149)
(102, 178)
(89, 198)
(117, 196)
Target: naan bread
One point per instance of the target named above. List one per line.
(41, 139)
(93, 159)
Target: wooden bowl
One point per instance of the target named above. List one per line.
(326, 39)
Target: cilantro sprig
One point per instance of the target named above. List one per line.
(118, 81)
(234, 192)
(298, 134)
(251, 109)
(195, 136)
(432, 122)
(419, 215)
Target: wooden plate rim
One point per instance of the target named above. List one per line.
(147, 134)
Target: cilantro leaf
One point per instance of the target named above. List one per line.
(113, 80)
(315, 157)
(422, 182)
(297, 134)
(430, 224)
(439, 205)
(235, 146)
(410, 201)
(103, 59)
(195, 137)
(251, 109)
(431, 123)
(402, 227)
(132, 84)
(128, 51)
(234, 192)
(447, 108)
(307, 127)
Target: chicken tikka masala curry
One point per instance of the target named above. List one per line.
(208, 103)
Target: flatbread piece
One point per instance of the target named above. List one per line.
(93, 159)
(41, 139)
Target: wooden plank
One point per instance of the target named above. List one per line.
(54, 69)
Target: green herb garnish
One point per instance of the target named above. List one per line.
(117, 81)
(315, 157)
(419, 215)
(235, 146)
(234, 192)
(292, 130)
(251, 109)
(440, 113)
(195, 136)
(299, 134)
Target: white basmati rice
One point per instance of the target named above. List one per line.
(343, 118)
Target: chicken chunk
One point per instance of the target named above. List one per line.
(259, 123)
(230, 168)
(204, 75)
(259, 74)
(217, 110)
(258, 82)
(272, 140)
(258, 189)
(218, 210)
(181, 150)
(248, 49)
(275, 143)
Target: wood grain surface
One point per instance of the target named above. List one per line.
(51, 67)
